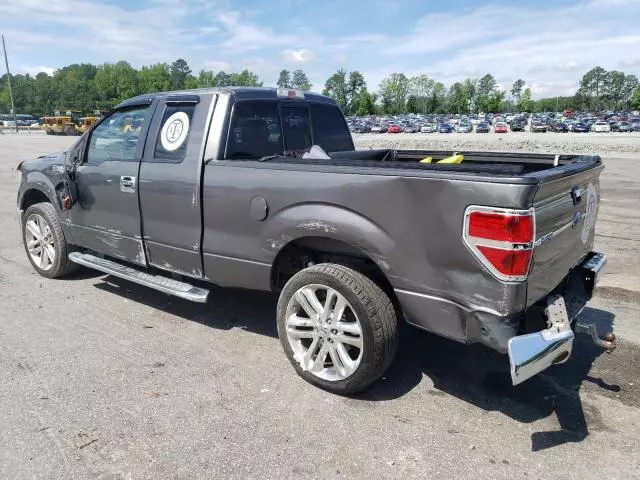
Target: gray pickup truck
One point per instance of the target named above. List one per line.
(263, 189)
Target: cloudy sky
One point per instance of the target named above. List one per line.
(548, 43)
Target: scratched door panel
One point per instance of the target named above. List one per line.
(106, 217)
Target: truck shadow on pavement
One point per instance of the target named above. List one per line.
(227, 308)
(480, 376)
(474, 374)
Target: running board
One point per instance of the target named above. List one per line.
(157, 282)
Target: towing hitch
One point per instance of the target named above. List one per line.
(609, 341)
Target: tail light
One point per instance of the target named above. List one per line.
(502, 239)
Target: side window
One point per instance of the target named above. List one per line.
(116, 138)
(255, 131)
(330, 130)
(173, 138)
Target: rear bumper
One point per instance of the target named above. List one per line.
(532, 353)
(529, 353)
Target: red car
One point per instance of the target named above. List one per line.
(501, 127)
(394, 129)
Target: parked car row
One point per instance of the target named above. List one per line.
(563, 122)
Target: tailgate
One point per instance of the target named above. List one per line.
(566, 209)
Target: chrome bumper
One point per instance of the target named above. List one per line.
(532, 353)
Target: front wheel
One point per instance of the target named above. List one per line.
(44, 241)
(337, 327)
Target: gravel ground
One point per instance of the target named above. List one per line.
(102, 379)
(592, 143)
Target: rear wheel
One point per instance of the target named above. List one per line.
(44, 241)
(69, 130)
(337, 327)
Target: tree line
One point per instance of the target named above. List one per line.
(85, 87)
(397, 93)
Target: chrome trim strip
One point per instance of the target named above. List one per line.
(448, 301)
(550, 236)
(262, 264)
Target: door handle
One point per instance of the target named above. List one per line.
(127, 184)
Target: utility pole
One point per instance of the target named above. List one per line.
(13, 107)
(556, 103)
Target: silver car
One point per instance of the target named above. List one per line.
(429, 128)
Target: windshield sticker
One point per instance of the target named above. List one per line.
(174, 131)
(294, 121)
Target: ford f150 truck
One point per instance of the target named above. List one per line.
(263, 189)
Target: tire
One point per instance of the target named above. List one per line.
(45, 220)
(367, 305)
(69, 130)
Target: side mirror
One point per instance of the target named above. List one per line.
(75, 154)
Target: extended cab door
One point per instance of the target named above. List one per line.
(170, 175)
(106, 217)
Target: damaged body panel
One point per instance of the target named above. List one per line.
(218, 185)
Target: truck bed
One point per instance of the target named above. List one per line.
(496, 164)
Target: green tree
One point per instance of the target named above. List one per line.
(469, 86)
(393, 91)
(591, 86)
(284, 80)
(179, 72)
(206, 79)
(489, 96)
(223, 79)
(629, 86)
(438, 99)
(300, 80)
(336, 88)
(154, 78)
(524, 102)
(456, 99)
(245, 79)
(43, 95)
(412, 104)
(421, 87)
(355, 87)
(516, 89)
(73, 88)
(366, 104)
(191, 82)
(486, 87)
(635, 99)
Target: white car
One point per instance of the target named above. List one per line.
(601, 126)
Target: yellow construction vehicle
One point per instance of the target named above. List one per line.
(60, 124)
(85, 124)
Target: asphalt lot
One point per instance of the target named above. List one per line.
(102, 379)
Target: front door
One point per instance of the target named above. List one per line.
(106, 217)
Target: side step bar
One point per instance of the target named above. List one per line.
(157, 282)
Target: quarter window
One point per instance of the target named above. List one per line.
(173, 138)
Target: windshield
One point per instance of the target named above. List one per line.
(264, 128)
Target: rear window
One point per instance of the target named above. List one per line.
(262, 128)
(329, 129)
